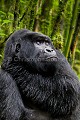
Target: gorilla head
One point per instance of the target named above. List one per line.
(42, 74)
(36, 51)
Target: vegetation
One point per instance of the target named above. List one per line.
(59, 19)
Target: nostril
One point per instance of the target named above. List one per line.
(49, 50)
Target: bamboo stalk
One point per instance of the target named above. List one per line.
(72, 28)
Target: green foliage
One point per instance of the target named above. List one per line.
(72, 28)
(58, 41)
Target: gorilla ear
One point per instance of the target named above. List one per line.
(18, 46)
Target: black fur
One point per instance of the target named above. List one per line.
(33, 87)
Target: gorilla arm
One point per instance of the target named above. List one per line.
(11, 106)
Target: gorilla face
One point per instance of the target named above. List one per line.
(43, 54)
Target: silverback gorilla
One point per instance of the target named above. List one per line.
(36, 81)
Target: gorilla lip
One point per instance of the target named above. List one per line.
(51, 58)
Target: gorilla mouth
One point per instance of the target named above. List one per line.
(52, 58)
(48, 59)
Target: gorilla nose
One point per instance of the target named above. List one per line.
(50, 51)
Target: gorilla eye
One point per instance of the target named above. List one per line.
(47, 43)
(38, 42)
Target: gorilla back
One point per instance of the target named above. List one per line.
(37, 82)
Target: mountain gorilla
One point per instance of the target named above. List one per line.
(36, 81)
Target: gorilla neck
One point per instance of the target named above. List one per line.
(17, 68)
